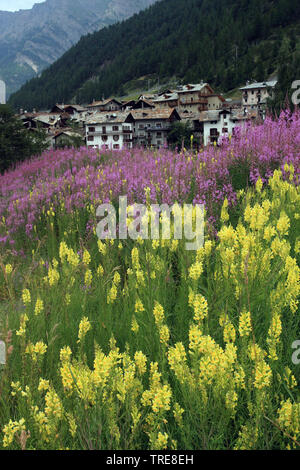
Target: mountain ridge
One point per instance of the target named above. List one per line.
(223, 42)
(32, 39)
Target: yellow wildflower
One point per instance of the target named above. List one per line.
(26, 297)
(84, 327)
(39, 306)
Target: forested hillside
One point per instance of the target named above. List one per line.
(224, 42)
(32, 39)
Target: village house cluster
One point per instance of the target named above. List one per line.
(146, 121)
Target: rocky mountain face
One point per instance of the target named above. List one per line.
(31, 40)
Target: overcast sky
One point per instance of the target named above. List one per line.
(14, 5)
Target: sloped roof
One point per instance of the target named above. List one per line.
(255, 85)
(103, 102)
(104, 118)
(156, 113)
(193, 88)
(166, 97)
(235, 114)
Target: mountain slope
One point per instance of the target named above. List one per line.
(224, 42)
(31, 40)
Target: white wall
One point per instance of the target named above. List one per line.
(223, 122)
(115, 138)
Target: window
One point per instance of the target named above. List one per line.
(104, 138)
(159, 142)
(158, 124)
(91, 129)
(90, 138)
(116, 138)
(141, 126)
(115, 128)
(158, 134)
(225, 130)
(116, 146)
(104, 129)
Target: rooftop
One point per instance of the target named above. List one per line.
(104, 118)
(255, 85)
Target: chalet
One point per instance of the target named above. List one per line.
(215, 101)
(57, 109)
(40, 120)
(75, 111)
(255, 94)
(151, 127)
(217, 124)
(167, 100)
(110, 104)
(138, 104)
(112, 131)
(194, 98)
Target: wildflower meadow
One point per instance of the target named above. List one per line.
(141, 344)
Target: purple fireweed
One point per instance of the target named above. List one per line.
(68, 180)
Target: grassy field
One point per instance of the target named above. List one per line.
(124, 344)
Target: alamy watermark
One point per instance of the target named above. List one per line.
(296, 95)
(152, 222)
(2, 353)
(296, 354)
(2, 92)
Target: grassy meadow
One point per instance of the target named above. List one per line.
(143, 345)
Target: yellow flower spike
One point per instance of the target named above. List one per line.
(72, 424)
(65, 354)
(140, 362)
(11, 429)
(224, 211)
(263, 375)
(84, 327)
(139, 306)
(53, 276)
(164, 334)
(159, 314)
(100, 271)
(195, 271)
(259, 185)
(23, 321)
(44, 385)
(88, 278)
(245, 324)
(39, 306)
(53, 408)
(86, 257)
(200, 307)
(102, 247)
(283, 225)
(161, 442)
(134, 325)
(26, 297)
(8, 269)
(178, 412)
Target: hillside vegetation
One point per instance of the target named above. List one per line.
(224, 42)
